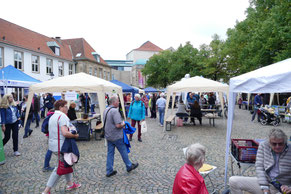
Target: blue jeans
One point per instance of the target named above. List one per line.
(162, 114)
(47, 158)
(121, 147)
(36, 117)
(254, 114)
(92, 108)
(27, 126)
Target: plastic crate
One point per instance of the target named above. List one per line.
(244, 150)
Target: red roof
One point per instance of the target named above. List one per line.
(148, 46)
(18, 36)
(80, 45)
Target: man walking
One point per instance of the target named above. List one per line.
(113, 126)
(257, 105)
(161, 105)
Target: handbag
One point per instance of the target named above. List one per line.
(143, 127)
(61, 170)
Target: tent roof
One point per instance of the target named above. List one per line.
(269, 79)
(198, 84)
(125, 87)
(16, 78)
(80, 82)
(150, 89)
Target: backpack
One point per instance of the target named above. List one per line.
(45, 124)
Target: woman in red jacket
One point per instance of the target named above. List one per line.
(188, 179)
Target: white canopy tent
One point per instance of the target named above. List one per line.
(275, 78)
(80, 82)
(197, 84)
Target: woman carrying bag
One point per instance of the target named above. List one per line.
(59, 130)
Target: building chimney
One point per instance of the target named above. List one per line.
(58, 39)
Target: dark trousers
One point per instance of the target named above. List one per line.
(199, 118)
(14, 128)
(47, 159)
(36, 117)
(153, 114)
(133, 122)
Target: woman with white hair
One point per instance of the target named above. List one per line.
(136, 114)
(188, 179)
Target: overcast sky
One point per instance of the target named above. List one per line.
(115, 27)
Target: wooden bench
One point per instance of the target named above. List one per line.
(212, 117)
(169, 121)
(97, 129)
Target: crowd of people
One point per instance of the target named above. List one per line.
(273, 164)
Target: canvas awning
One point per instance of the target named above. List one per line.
(80, 82)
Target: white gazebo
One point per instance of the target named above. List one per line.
(197, 84)
(80, 82)
(275, 78)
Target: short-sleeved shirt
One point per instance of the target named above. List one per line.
(112, 133)
(53, 130)
(161, 102)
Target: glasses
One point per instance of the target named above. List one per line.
(277, 144)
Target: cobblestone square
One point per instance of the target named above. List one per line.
(159, 156)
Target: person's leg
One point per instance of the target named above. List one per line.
(146, 111)
(200, 120)
(36, 116)
(110, 157)
(254, 114)
(7, 133)
(92, 108)
(47, 159)
(52, 181)
(15, 136)
(133, 125)
(138, 130)
(238, 184)
(160, 113)
(121, 147)
(162, 116)
(27, 127)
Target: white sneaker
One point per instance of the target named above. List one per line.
(17, 153)
(162, 125)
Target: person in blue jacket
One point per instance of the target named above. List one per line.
(257, 105)
(136, 114)
(9, 121)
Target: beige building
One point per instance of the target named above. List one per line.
(139, 57)
(88, 60)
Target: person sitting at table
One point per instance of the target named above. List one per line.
(188, 179)
(273, 168)
(72, 112)
(195, 112)
(182, 110)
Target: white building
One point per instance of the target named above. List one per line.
(38, 56)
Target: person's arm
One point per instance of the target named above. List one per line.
(260, 171)
(120, 125)
(286, 189)
(67, 134)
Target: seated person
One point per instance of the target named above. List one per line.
(188, 179)
(195, 110)
(72, 112)
(182, 110)
(273, 168)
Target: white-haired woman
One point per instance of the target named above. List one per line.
(136, 114)
(9, 119)
(188, 179)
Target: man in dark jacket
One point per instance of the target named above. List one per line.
(36, 109)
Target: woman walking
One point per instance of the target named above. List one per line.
(9, 119)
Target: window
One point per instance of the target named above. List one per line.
(100, 72)
(108, 76)
(18, 60)
(35, 63)
(49, 66)
(104, 75)
(1, 57)
(61, 68)
(57, 51)
(95, 72)
(71, 66)
(90, 70)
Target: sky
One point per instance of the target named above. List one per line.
(114, 27)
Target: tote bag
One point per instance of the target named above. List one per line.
(143, 127)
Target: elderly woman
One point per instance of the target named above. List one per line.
(188, 179)
(136, 114)
(59, 124)
(182, 110)
(9, 120)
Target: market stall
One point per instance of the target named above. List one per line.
(80, 82)
(275, 78)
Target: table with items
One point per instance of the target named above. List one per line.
(84, 126)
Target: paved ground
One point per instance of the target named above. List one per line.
(160, 156)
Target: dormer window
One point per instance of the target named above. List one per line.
(54, 47)
(96, 56)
